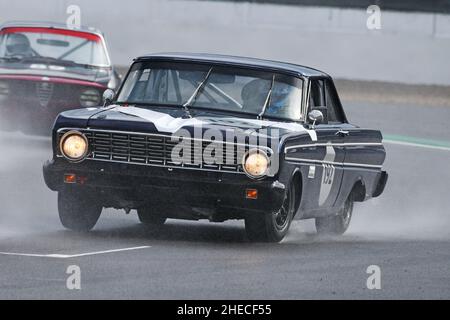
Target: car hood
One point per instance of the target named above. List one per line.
(174, 121)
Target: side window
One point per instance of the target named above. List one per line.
(316, 96)
(334, 111)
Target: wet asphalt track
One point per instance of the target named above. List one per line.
(405, 232)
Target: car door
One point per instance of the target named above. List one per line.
(329, 148)
(362, 148)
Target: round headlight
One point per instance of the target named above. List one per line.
(90, 98)
(256, 163)
(74, 146)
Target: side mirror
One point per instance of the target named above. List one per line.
(316, 117)
(108, 97)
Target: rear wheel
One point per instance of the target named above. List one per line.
(78, 211)
(338, 224)
(151, 217)
(272, 226)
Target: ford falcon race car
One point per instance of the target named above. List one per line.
(48, 68)
(197, 136)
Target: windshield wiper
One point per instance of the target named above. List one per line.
(47, 60)
(147, 104)
(269, 95)
(39, 58)
(192, 98)
(11, 59)
(57, 61)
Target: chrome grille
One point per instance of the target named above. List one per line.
(156, 150)
(44, 92)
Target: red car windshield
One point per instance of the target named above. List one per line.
(61, 44)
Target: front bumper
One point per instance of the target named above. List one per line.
(130, 186)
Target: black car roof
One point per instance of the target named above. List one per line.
(238, 61)
(44, 24)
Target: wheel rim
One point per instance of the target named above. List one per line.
(347, 213)
(281, 217)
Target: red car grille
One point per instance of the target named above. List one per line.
(44, 92)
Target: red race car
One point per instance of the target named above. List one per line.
(48, 68)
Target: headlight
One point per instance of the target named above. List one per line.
(4, 90)
(74, 146)
(90, 98)
(256, 163)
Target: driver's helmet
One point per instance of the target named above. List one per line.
(279, 98)
(18, 44)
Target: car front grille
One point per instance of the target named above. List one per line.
(44, 92)
(34, 95)
(156, 150)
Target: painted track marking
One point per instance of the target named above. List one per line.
(417, 142)
(68, 256)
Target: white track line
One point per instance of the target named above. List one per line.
(68, 256)
(418, 145)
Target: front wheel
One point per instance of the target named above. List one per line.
(78, 211)
(272, 226)
(338, 224)
(151, 217)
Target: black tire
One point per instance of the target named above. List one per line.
(338, 224)
(151, 217)
(78, 211)
(273, 226)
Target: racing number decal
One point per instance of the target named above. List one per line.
(327, 175)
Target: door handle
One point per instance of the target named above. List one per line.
(342, 133)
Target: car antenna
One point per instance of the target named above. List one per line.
(266, 103)
(187, 104)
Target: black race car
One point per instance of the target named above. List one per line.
(196, 136)
(48, 68)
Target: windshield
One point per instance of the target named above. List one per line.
(200, 86)
(27, 43)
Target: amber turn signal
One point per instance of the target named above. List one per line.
(251, 194)
(70, 178)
